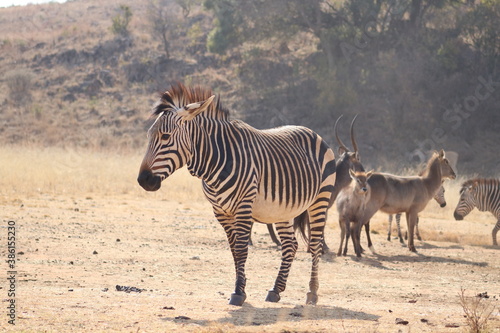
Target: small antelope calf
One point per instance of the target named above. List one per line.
(351, 202)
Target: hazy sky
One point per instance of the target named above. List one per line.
(8, 3)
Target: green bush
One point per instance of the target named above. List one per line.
(121, 21)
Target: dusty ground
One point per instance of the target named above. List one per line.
(73, 251)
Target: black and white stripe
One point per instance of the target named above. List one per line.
(483, 194)
(249, 175)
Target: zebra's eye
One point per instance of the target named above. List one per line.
(165, 137)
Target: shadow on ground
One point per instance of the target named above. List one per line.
(248, 315)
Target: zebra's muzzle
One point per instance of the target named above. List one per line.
(457, 216)
(148, 181)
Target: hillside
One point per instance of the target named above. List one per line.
(76, 83)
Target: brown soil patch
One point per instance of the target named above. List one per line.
(72, 252)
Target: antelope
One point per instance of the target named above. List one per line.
(440, 199)
(351, 202)
(395, 194)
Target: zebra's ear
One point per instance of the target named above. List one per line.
(441, 153)
(190, 111)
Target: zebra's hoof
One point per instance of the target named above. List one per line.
(312, 298)
(237, 300)
(273, 296)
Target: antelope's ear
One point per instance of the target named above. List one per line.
(190, 111)
(352, 174)
(342, 150)
(441, 153)
(369, 174)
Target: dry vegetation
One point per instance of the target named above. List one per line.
(84, 226)
(83, 172)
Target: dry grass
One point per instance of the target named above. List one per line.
(27, 172)
(478, 310)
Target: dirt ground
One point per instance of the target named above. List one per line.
(73, 251)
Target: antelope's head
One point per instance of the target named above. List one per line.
(169, 146)
(446, 169)
(360, 178)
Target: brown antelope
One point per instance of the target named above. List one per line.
(395, 194)
(440, 199)
(351, 203)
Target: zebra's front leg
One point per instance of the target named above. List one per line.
(288, 249)
(238, 235)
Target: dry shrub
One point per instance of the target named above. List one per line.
(478, 310)
(19, 82)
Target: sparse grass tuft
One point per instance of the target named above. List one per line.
(478, 310)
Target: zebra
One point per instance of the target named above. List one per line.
(248, 175)
(440, 199)
(348, 161)
(483, 194)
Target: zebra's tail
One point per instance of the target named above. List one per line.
(301, 223)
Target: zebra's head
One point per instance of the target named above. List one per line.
(169, 146)
(467, 200)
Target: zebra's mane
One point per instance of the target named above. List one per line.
(180, 95)
(480, 181)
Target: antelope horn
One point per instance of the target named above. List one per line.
(353, 140)
(341, 144)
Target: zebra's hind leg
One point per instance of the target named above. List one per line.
(288, 249)
(317, 214)
(389, 228)
(398, 224)
(494, 233)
